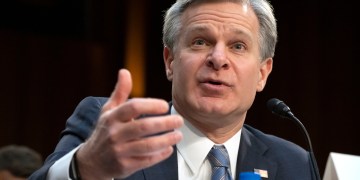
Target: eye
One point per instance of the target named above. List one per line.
(199, 42)
(238, 46)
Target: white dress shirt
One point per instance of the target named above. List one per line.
(60, 169)
(191, 153)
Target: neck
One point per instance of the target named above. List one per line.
(219, 134)
(218, 128)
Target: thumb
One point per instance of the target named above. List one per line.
(121, 91)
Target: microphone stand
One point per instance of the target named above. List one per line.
(308, 142)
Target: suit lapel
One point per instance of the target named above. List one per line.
(251, 155)
(165, 170)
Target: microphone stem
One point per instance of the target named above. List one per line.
(311, 152)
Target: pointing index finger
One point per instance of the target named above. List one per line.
(136, 107)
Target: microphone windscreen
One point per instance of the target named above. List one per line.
(278, 107)
(271, 103)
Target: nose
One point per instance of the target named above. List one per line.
(217, 58)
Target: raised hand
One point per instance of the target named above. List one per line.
(121, 145)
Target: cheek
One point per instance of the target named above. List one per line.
(187, 63)
(180, 69)
(248, 76)
(247, 88)
(185, 71)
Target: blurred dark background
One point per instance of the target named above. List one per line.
(53, 53)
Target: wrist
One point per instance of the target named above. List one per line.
(88, 167)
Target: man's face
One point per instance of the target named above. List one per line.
(216, 68)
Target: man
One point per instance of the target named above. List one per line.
(218, 55)
(18, 162)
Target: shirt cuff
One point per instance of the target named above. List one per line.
(60, 169)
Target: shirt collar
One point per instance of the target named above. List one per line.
(195, 141)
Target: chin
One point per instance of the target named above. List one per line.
(214, 108)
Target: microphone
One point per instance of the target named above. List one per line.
(281, 109)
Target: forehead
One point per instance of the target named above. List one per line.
(221, 12)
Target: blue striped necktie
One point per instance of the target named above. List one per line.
(220, 163)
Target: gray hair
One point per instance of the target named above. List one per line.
(262, 8)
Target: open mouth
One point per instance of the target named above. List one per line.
(216, 82)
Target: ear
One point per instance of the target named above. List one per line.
(168, 60)
(265, 70)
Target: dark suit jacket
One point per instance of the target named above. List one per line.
(282, 159)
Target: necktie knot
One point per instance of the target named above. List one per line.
(220, 163)
(219, 157)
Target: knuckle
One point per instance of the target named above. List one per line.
(133, 105)
(149, 146)
(139, 127)
(143, 126)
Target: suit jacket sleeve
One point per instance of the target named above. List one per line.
(78, 128)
